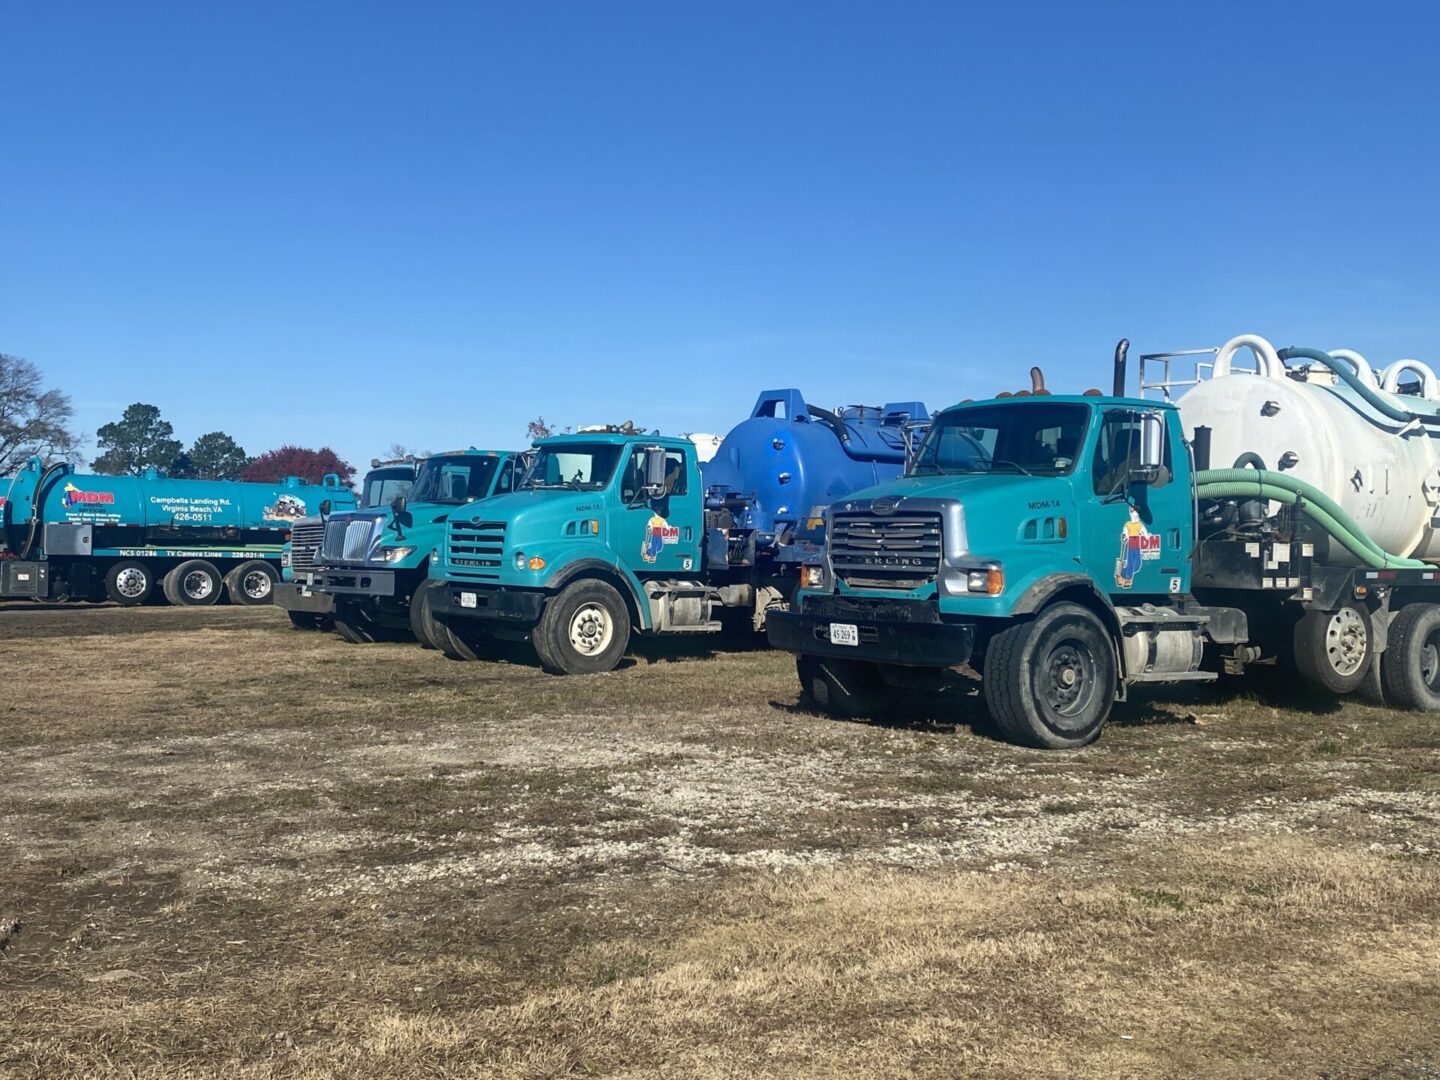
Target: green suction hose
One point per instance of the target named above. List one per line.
(1263, 484)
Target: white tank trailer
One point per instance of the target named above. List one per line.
(1370, 447)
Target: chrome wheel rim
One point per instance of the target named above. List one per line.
(1346, 643)
(131, 582)
(256, 584)
(197, 585)
(591, 630)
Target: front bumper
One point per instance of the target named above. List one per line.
(348, 581)
(514, 607)
(882, 641)
(292, 596)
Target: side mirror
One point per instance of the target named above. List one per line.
(655, 472)
(397, 505)
(325, 507)
(1152, 448)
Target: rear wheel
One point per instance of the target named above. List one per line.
(1332, 648)
(848, 688)
(194, 583)
(1050, 682)
(584, 630)
(1410, 664)
(129, 583)
(251, 583)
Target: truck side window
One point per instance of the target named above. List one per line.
(634, 480)
(675, 473)
(1117, 449)
(506, 480)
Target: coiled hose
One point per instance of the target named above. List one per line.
(1323, 510)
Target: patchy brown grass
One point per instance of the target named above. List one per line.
(232, 849)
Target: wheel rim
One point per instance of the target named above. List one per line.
(131, 582)
(1346, 643)
(591, 630)
(1430, 661)
(1067, 684)
(256, 584)
(197, 585)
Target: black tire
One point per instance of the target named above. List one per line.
(421, 620)
(194, 583)
(353, 622)
(463, 639)
(1050, 682)
(251, 583)
(846, 688)
(584, 630)
(130, 583)
(1410, 664)
(306, 620)
(1333, 648)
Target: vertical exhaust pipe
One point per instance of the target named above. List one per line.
(1120, 350)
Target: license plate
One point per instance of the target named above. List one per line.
(844, 634)
(468, 599)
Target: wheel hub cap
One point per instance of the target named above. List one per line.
(130, 583)
(1346, 645)
(256, 584)
(590, 630)
(197, 585)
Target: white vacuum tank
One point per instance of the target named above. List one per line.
(1384, 473)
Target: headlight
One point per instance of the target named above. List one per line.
(393, 554)
(519, 560)
(990, 581)
(814, 577)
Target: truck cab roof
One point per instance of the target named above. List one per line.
(1096, 400)
(615, 438)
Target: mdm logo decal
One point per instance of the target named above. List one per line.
(75, 497)
(658, 533)
(1138, 545)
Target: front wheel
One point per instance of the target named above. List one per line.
(422, 622)
(308, 620)
(1332, 648)
(353, 622)
(847, 688)
(1050, 682)
(584, 630)
(1410, 664)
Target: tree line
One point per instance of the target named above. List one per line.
(38, 421)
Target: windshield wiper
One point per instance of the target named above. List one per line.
(1014, 465)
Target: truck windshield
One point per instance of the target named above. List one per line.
(454, 480)
(1037, 438)
(581, 468)
(382, 486)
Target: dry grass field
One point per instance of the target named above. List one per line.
(228, 848)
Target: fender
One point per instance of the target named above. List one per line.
(1043, 591)
(580, 567)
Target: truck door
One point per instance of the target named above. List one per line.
(659, 537)
(1137, 528)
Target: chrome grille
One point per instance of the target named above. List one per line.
(885, 551)
(348, 539)
(305, 539)
(475, 546)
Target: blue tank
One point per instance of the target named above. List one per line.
(789, 457)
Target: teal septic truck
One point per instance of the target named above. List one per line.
(1061, 550)
(68, 536)
(370, 567)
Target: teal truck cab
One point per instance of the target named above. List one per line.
(309, 610)
(373, 564)
(1064, 549)
(607, 533)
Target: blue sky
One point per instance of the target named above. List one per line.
(352, 224)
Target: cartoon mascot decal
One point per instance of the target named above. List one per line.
(1138, 545)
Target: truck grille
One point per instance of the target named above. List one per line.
(305, 540)
(347, 539)
(892, 551)
(474, 549)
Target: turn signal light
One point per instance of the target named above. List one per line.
(536, 563)
(1062, 530)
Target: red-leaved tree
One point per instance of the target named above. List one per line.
(309, 465)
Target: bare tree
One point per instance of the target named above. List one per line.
(34, 422)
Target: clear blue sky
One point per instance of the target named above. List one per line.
(355, 223)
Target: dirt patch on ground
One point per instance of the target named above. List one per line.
(231, 848)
